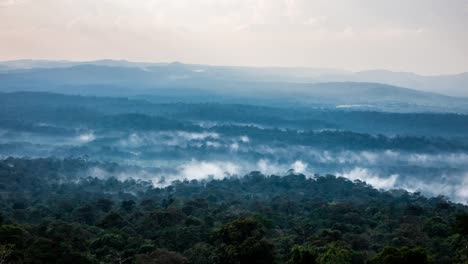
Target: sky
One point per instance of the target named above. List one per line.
(422, 36)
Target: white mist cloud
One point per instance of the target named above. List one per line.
(365, 175)
(462, 190)
(432, 174)
(451, 159)
(86, 137)
(213, 144)
(164, 176)
(299, 166)
(354, 106)
(268, 167)
(198, 170)
(454, 187)
(234, 146)
(197, 136)
(97, 172)
(124, 174)
(244, 139)
(171, 138)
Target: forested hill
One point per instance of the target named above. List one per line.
(181, 83)
(52, 211)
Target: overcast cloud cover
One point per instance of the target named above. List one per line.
(423, 36)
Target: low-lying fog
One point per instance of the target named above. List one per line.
(165, 156)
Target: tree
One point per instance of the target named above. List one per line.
(85, 214)
(112, 220)
(105, 205)
(201, 253)
(242, 241)
(128, 205)
(336, 254)
(160, 256)
(303, 255)
(461, 225)
(46, 251)
(392, 255)
(5, 252)
(14, 235)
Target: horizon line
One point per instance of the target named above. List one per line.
(90, 61)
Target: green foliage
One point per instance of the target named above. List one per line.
(112, 220)
(392, 255)
(336, 254)
(161, 256)
(5, 253)
(303, 255)
(461, 224)
(242, 241)
(202, 253)
(253, 219)
(45, 251)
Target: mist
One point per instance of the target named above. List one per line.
(166, 156)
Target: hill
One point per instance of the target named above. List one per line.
(178, 82)
(451, 85)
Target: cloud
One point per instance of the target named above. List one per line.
(454, 187)
(234, 146)
(451, 185)
(274, 168)
(172, 138)
(133, 140)
(213, 144)
(124, 173)
(268, 168)
(97, 172)
(197, 136)
(198, 170)
(462, 190)
(86, 137)
(431, 160)
(164, 176)
(222, 155)
(299, 166)
(8, 3)
(244, 139)
(353, 106)
(243, 32)
(365, 175)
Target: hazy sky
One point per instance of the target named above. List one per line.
(424, 36)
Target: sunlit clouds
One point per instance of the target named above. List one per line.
(421, 36)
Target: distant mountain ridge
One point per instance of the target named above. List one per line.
(452, 85)
(177, 82)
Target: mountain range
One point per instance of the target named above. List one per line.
(302, 87)
(451, 85)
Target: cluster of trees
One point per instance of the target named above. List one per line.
(76, 110)
(339, 140)
(51, 212)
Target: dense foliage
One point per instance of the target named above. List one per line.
(53, 212)
(23, 111)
